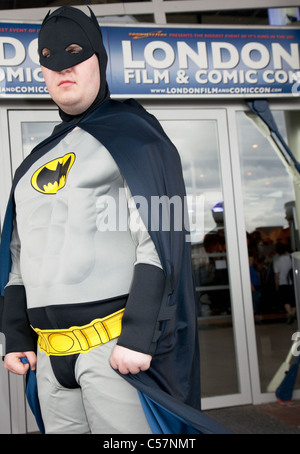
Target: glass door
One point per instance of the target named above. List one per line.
(201, 138)
(267, 197)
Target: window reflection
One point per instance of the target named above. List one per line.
(197, 143)
(267, 193)
(269, 212)
(34, 132)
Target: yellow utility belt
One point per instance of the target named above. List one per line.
(80, 339)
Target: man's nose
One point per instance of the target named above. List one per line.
(66, 70)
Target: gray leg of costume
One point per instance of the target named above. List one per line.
(105, 403)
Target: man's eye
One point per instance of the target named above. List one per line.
(74, 49)
(46, 52)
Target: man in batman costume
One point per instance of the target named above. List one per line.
(112, 309)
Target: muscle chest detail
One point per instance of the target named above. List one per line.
(58, 220)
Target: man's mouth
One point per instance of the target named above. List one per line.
(66, 83)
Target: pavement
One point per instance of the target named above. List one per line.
(263, 419)
(269, 418)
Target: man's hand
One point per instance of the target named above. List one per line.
(129, 361)
(12, 362)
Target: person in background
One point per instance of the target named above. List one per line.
(255, 284)
(283, 281)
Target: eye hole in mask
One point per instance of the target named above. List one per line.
(72, 49)
(46, 52)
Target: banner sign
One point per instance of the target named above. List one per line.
(169, 62)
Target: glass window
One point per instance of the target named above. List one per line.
(269, 198)
(199, 148)
(33, 133)
(221, 17)
(147, 18)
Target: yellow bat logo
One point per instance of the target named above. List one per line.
(52, 176)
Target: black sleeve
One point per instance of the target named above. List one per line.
(19, 336)
(141, 319)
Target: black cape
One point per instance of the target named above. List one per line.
(150, 164)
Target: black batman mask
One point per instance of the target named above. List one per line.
(60, 30)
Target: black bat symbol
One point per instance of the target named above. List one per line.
(47, 176)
